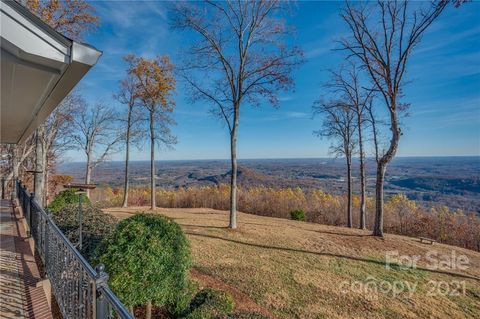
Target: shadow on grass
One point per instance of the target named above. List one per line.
(311, 230)
(203, 226)
(377, 262)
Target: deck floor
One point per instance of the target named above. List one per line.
(19, 275)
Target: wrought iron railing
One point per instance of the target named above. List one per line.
(80, 290)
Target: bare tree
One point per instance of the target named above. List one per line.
(54, 137)
(17, 156)
(128, 96)
(339, 120)
(155, 85)
(95, 132)
(240, 57)
(384, 50)
(40, 165)
(347, 83)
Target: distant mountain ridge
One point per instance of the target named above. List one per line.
(450, 181)
(245, 177)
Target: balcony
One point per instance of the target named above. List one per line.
(39, 262)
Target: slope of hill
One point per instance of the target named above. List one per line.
(289, 269)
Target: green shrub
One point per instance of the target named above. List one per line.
(95, 226)
(210, 304)
(297, 214)
(182, 305)
(148, 260)
(65, 198)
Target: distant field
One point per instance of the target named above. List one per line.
(289, 269)
(450, 181)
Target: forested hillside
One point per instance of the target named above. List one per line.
(428, 181)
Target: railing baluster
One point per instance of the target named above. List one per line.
(31, 221)
(46, 251)
(24, 197)
(27, 210)
(101, 281)
(81, 292)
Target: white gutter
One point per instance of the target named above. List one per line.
(41, 67)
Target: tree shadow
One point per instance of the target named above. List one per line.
(190, 219)
(377, 262)
(311, 230)
(202, 213)
(206, 227)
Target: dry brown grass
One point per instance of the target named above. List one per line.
(295, 269)
(401, 215)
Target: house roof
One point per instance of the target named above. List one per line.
(39, 67)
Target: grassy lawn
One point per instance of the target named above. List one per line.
(290, 269)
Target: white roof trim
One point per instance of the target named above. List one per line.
(39, 68)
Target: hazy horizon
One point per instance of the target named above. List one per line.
(64, 161)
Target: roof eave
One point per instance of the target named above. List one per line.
(83, 57)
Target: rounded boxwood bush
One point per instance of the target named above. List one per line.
(65, 198)
(148, 259)
(95, 226)
(297, 214)
(210, 304)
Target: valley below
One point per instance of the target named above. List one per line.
(449, 181)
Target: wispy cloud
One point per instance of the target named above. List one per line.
(316, 52)
(447, 41)
(285, 98)
(296, 115)
(277, 116)
(324, 45)
(138, 27)
(449, 113)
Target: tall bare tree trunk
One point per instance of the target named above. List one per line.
(88, 173)
(378, 228)
(234, 168)
(362, 176)
(126, 180)
(381, 168)
(39, 166)
(349, 190)
(152, 163)
(127, 158)
(375, 138)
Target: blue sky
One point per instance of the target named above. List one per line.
(444, 92)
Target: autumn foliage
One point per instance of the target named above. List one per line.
(402, 216)
(69, 17)
(156, 80)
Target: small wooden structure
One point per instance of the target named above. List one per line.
(31, 171)
(80, 187)
(428, 240)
